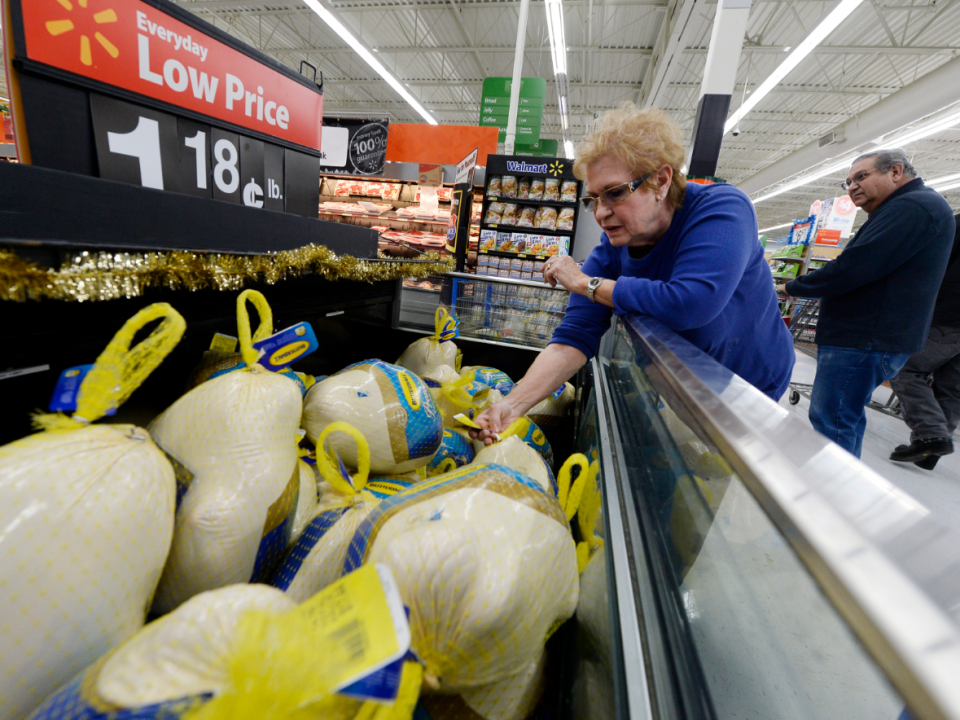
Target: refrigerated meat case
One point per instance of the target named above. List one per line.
(748, 568)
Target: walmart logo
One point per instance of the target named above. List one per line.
(556, 169)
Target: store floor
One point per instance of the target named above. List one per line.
(938, 490)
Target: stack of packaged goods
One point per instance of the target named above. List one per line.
(269, 519)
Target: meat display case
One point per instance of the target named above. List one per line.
(749, 568)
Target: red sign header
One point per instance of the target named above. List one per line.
(134, 46)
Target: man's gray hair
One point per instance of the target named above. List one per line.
(886, 159)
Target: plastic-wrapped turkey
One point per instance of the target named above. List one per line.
(237, 435)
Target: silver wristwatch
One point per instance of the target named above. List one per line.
(592, 287)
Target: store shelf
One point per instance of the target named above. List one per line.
(535, 231)
(386, 217)
(788, 259)
(39, 206)
(520, 201)
(786, 277)
(521, 256)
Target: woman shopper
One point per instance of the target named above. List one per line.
(687, 255)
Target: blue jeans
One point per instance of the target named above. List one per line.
(845, 381)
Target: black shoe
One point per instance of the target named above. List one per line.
(928, 463)
(921, 449)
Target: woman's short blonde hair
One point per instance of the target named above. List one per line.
(645, 140)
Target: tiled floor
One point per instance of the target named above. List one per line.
(938, 490)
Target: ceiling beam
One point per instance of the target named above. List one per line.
(641, 51)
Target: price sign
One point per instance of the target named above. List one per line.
(147, 147)
(174, 103)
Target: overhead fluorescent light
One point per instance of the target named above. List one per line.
(939, 182)
(943, 189)
(348, 37)
(805, 179)
(776, 227)
(927, 129)
(568, 149)
(840, 13)
(558, 47)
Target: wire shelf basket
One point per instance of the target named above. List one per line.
(520, 314)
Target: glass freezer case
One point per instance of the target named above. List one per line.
(742, 566)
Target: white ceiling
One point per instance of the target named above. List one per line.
(443, 49)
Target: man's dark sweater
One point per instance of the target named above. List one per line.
(946, 313)
(879, 294)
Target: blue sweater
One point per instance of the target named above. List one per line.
(706, 279)
(879, 294)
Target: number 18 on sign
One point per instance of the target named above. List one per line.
(157, 150)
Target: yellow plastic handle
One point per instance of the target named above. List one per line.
(121, 369)
(439, 318)
(568, 496)
(331, 471)
(264, 330)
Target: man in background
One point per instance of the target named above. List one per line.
(876, 298)
(929, 384)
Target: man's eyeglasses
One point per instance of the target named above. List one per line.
(847, 184)
(613, 196)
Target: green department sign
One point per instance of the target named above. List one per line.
(495, 107)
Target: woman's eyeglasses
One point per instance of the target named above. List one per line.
(613, 196)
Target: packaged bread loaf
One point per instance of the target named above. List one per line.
(87, 516)
(389, 405)
(484, 559)
(548, 218)
(568, 191)
(508, 188)
(509, 214)
(494, 213)
(551, 190)
(565, 219)
(237, 435)
(536, 189)
(527, 215)
(493, 189)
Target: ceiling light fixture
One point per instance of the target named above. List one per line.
(944, 189)
(899, 138)
(943, 180)
(840, 13)
(558, 56)
(776, 227)
(568, 149)
(348, 37)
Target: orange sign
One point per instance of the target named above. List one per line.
(443, 144)
(828, 237)
(131, 45)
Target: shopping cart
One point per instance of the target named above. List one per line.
(506, 312)
(803, 327)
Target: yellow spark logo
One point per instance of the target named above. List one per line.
(556, 169)
(61, 27)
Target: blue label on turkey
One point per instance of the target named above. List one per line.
(277, 529)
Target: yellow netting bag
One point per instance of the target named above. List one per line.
(427, 354)
(87, 518)
(237, 435)
(237, 652)
(316, 560)
(485, 560)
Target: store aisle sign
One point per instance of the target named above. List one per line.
(353, 146)
(134, 46)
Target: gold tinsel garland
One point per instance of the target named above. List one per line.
(108, 276)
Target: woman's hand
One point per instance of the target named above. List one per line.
(564, 270)
(494, 419)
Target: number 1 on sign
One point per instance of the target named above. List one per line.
(198, 143)
(143, 143)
